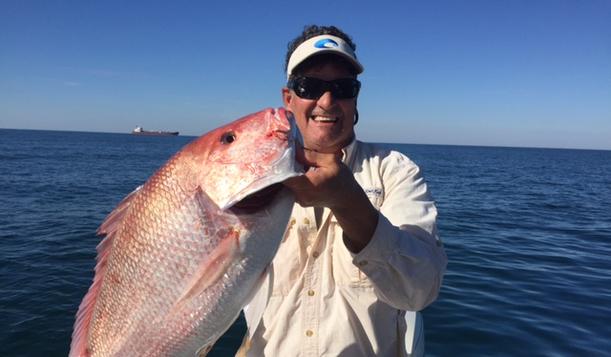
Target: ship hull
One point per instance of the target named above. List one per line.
(156, 133)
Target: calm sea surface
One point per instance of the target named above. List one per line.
(527, 232)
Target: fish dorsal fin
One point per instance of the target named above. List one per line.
(78, 346)
(116, 216)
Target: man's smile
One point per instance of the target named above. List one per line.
(323, 119)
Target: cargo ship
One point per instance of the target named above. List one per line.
(140, 131)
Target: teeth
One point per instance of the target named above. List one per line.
(324, 119)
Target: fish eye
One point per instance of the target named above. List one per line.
(228, 137)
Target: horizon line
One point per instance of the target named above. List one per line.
(376, 142)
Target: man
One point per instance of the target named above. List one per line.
(361, 247)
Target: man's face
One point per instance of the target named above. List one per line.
(326, 123)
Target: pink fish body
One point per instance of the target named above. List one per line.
(183, 252)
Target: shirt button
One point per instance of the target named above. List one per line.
(310, 292)
(315, 254)
(309, 333)
(293, 221)
(306, 221)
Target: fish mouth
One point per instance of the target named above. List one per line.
(256, 201)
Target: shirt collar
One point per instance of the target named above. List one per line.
(348, 152)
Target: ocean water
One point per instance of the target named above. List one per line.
(527, 232)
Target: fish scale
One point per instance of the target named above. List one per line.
(177, 265)
(159, 300)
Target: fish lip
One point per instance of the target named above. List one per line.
(282, 134)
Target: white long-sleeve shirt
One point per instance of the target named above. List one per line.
(322, 300)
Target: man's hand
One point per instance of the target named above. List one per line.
(326, 183)
(330, 183)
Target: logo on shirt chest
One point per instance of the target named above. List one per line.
(373, 192)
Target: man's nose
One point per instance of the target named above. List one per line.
(326, 100)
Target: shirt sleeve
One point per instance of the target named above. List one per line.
(405, 260)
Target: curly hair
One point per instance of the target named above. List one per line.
(310, 31)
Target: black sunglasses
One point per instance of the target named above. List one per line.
(314, 88)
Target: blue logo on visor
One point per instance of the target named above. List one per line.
(326, 43)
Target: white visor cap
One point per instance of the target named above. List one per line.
(322, 44)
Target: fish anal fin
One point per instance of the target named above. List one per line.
(79, 345)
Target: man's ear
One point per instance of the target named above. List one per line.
(287, 97)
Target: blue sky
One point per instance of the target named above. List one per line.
(502, 73)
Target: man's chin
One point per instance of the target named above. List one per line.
(326, 144)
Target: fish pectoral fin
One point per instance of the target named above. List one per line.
(213, 268)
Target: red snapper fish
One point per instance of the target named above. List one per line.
(183, 253)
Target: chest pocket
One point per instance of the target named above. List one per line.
(345, 272)
(290, 260)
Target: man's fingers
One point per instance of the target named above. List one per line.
(320, 181)
(304, 182)
(302, 187)
(296, 183)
